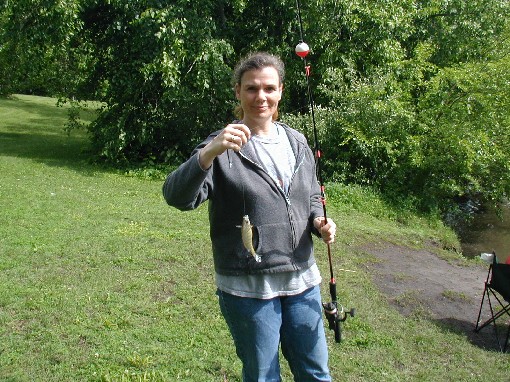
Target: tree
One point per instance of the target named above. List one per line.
(412, 95)
(38, 50)
(163, 73)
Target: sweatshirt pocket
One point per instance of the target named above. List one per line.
(273, 239)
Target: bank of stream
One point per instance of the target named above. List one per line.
(488, 231)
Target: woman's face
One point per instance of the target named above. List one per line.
(259, 92)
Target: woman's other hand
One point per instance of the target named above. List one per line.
(327, 229)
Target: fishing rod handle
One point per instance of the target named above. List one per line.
(332, 290)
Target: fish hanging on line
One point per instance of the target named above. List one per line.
(247, 235)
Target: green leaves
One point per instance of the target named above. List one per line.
(412, 95)
(470, 119)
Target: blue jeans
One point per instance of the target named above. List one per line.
(259, 326)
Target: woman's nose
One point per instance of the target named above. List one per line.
(261, 94)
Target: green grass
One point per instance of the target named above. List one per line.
(101, 281)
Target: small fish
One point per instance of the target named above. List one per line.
(247, 235)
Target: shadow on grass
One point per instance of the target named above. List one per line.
(484, 339)
(51, 149)
(34, 129)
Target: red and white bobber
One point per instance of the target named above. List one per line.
(302, 49)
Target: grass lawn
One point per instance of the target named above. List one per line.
(101, 281)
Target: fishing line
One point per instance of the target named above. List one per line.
(244, 202)
(229, 160)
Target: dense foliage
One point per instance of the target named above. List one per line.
(413, 96)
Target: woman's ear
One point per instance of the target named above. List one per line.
(281, 92)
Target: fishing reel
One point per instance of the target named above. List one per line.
(335, 315)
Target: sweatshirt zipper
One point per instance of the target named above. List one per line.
(286, 197)
(270, 177)
(289, 209)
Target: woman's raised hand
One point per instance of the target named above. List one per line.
(232, 137)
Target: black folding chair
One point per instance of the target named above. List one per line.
(498, 282)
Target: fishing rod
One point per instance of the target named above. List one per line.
(335, 313)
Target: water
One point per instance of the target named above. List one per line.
(488, 232)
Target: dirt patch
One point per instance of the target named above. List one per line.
(418, 282)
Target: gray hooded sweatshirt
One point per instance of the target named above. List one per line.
(236, 185)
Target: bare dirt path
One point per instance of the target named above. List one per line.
(419, 282)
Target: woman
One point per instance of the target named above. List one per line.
(262, 169)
